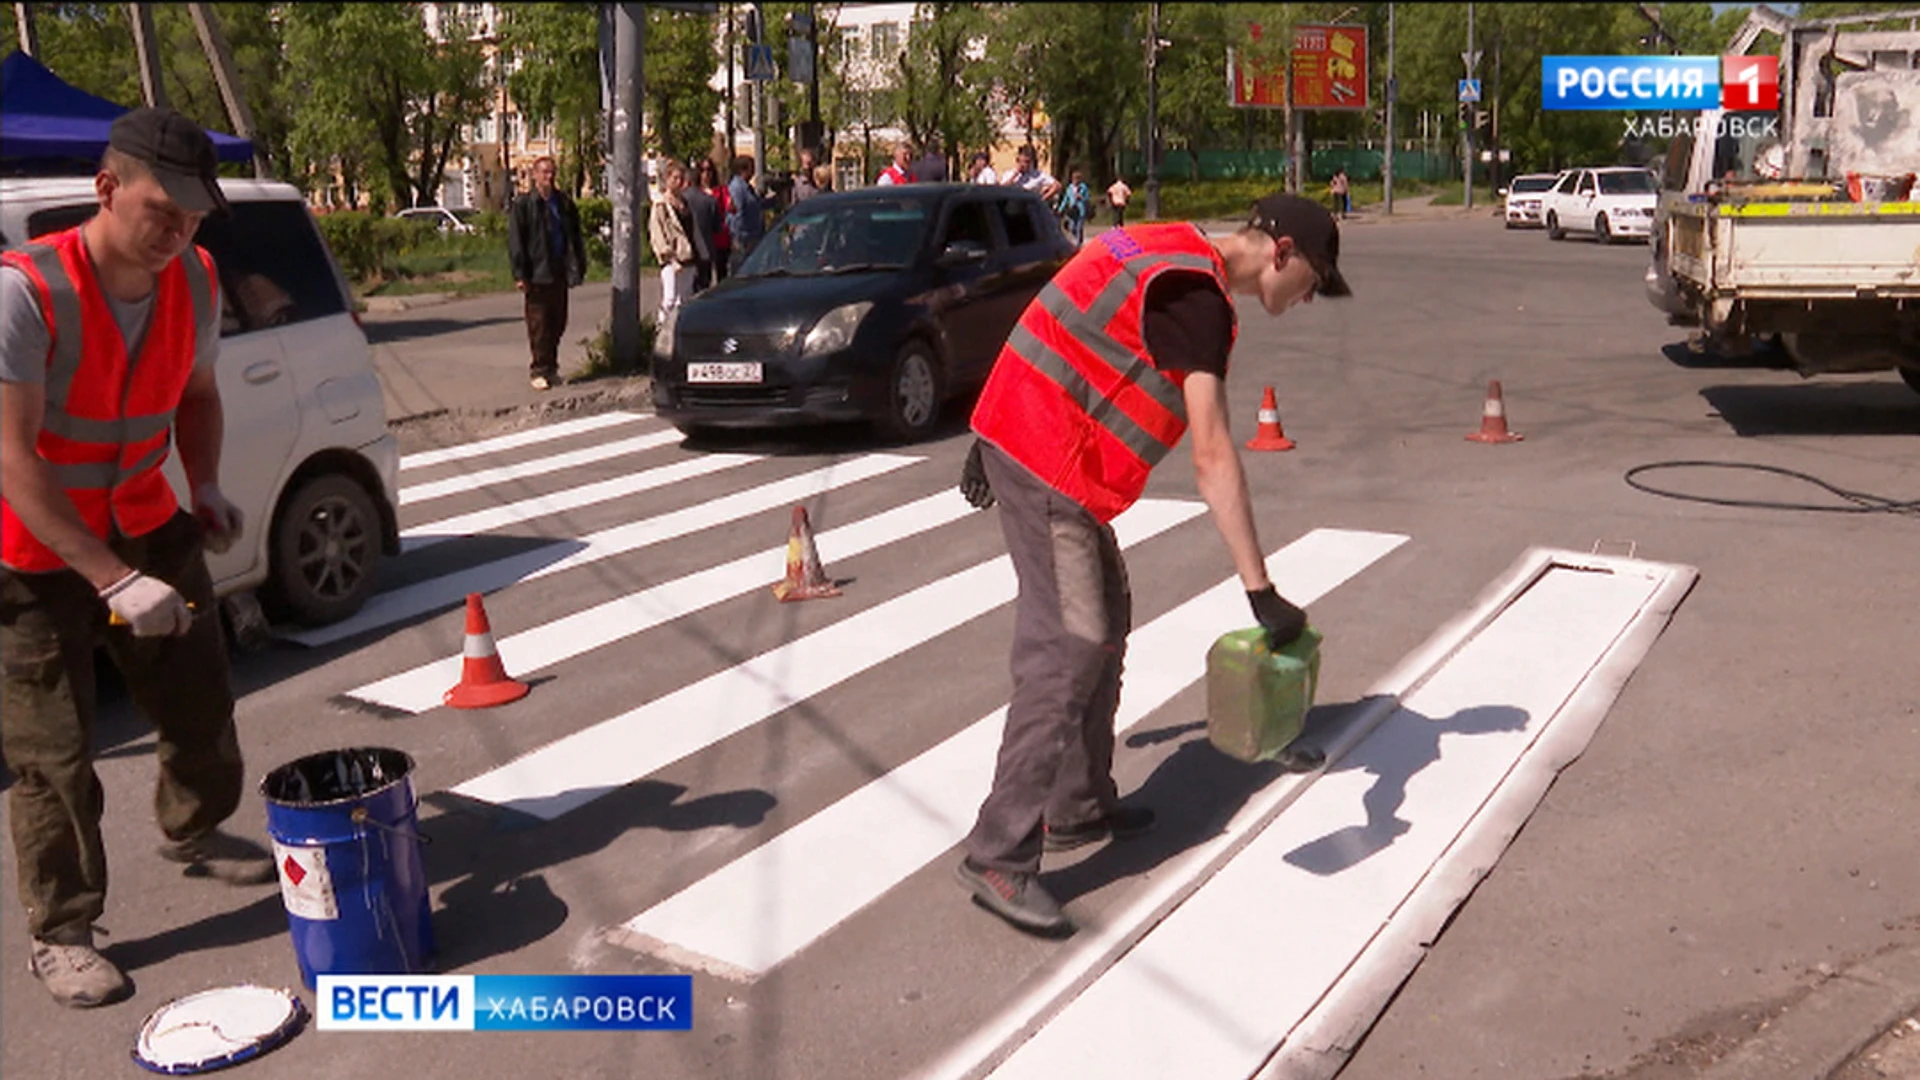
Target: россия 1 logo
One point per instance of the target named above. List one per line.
(1734, 83)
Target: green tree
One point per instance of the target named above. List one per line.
(682, 56)
(552, 46)
(939, 91)
(1082, 63)
(378, 94)
(1195, 108)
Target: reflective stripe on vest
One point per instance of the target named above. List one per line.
(107, 425)
(1096, 371)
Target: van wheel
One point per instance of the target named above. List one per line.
(915, 393)
(1554, 231)
(324, 551)
(1602, 234)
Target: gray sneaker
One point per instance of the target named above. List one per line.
(77, 975)
(1016, 897)
(224, 856)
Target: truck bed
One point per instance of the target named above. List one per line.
(1797, 250)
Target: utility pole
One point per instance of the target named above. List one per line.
(151, 89)
(756, 36)
(629, 186)
(214, 44)
(1153, 112)
(732, 127)
(1472, 106)
(813, 84)
(1393, 91)
(29, 34)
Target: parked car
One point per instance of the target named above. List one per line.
(1609, 203)
(447, 219)
(307, 454)
(1523, 198)
(878, 304)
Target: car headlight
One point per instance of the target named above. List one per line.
(834, 331)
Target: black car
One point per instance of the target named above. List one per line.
(877, 304)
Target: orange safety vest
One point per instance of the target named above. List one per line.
(1075, 395)
(108, 422)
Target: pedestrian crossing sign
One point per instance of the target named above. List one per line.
(1469, 91)
(760, 62)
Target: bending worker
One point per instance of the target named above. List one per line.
(1116, 358)
(108, 338)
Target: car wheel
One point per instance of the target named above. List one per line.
(915, 392)
(1554, 232)
(1602, 233)
(324, 551)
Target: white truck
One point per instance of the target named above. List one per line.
(1803, 226)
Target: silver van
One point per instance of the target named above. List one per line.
(307, 456)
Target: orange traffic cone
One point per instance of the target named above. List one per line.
(1269, 436)
(806, 579)
(483, 679)
(1493, 419)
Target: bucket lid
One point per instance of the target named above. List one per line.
(217, 1028)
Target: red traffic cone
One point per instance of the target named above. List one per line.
(483, 679)
(806, 578)
(1269, 436)
(1493, 419)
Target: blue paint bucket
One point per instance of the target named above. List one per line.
(347, 843)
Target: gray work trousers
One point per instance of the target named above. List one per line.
(1069, 640)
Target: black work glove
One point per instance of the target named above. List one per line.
(1281, 620)
(973, 480)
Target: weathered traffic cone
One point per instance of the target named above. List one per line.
(806, 578)
(1269, 436)
(483, 678)
(1493, 419)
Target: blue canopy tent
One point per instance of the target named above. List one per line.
(47, 125)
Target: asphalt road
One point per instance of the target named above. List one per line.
(1743, 815)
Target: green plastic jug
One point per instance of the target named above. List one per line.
(1257, 699)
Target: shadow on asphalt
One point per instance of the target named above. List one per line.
(386, 332)
(815, 439)
(1771, 357)
(1185, 821)
(1876, 408)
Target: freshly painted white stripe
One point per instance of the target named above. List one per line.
(447, 590)
(1213, 989)
(430, 533)
(543, 646)
(501, 474)
(763, 907)
(518, 439)
(582, 767)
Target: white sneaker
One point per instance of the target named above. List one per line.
(541, 382)
(77, 975)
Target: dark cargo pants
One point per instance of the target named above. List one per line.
(546, 307)
(49, 626)
(1069, 639)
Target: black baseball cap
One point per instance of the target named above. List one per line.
(177, 151)
(1313, 232)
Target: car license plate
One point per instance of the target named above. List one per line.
(723, 373)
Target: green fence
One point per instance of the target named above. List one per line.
(1361, 164)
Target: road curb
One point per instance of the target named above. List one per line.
(569, 400)
(385, 304)
(1842, 1015)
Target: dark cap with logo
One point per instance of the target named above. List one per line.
(178, 153)
(1313, 232)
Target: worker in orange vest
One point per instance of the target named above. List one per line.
(1107, 368)
(108, 339)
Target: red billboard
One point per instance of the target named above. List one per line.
(1329, 67)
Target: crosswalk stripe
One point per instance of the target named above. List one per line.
(420, 689)
(518, 439)
(500, 474)
(448, 590)
(430, 533)
(762, 908)
(580, 768)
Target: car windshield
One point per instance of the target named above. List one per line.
(1626, 183)
(879, 234)
(1532, 183)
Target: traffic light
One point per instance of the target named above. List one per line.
(1465, 112)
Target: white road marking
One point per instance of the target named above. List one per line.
(518, 439)
(502, 474)
(581, 767)
(421, 688)
(430, 533)
(448, 590)
(762, 908)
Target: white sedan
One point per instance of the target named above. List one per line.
(1523, 198)
(1609, 203)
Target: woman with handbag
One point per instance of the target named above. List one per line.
(670, 227)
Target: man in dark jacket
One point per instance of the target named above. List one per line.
(548, 258)
(706, 225)
(932, 166)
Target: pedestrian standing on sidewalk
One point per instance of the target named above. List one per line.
(704, 212)
(95, 549)
(548, 257)
(670, 229)
(1077, 411)
(980, 169)
(1117, 195)
(900, 169)
(706, 177)
(746, 212)
(1340, 187)
(1075, 204)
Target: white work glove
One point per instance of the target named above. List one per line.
(220, 520)
(150, 606)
